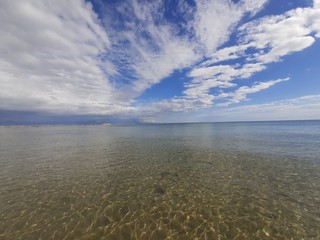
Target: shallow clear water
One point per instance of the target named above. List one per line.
(175, 181)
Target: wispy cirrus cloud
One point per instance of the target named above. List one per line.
(146, 47)
(156, 47)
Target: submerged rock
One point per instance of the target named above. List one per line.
(164, 174)
(159, 190)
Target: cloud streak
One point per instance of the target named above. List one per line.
(304, 108)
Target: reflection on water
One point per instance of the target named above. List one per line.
(93, 183)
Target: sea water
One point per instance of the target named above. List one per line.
(252, 180)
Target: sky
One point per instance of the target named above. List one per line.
(93, 61)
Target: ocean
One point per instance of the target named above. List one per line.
(246, 180)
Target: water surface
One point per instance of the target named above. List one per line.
(173, 181)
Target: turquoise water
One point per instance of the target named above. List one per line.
(258, 180)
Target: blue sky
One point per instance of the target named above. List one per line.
(159, 61)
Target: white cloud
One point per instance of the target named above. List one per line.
(219, 76)
(225, 54)
(174, 53)
(208, 72)
(49, 57)
(281, 35)
(253, 6)
(213, 21)
(241, 93)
